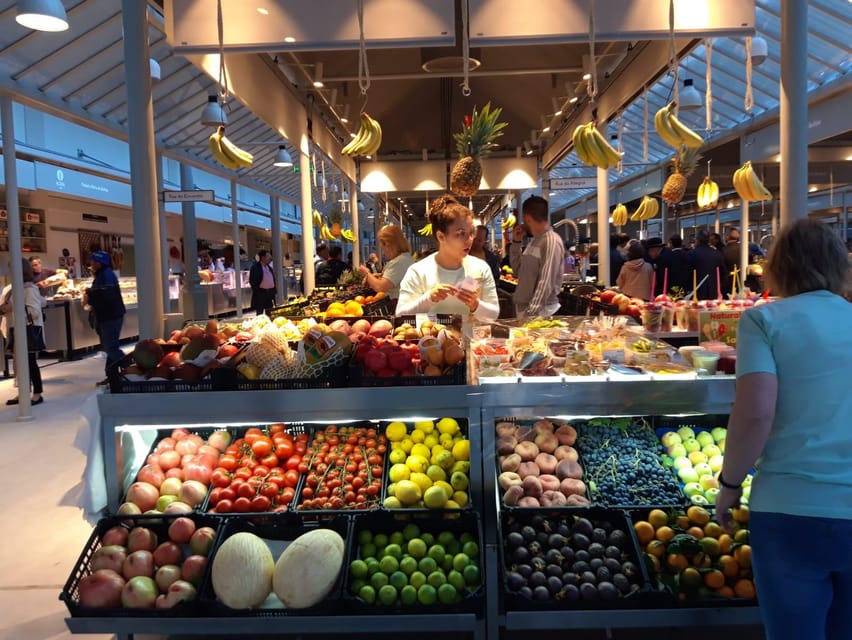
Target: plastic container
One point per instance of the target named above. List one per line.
(652, 317)
(705, 361)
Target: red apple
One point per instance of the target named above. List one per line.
(111, 557)
(141, 539)
(202, 541)
(138, 563)
(167, 553)
(140, 592)
(192, 569)
(101, 589)
(114, 535)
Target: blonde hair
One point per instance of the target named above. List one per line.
(444, 211)
(807, 256)
(392, 236)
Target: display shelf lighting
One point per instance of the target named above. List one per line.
(282, 157)
(213, 115)
(690, 99)
(42, 15)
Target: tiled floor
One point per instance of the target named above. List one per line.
(44, 529)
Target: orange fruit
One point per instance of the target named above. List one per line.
(379, 295)
(713, 530)
(654, 560)
(644, 531)
(677, 561)
(725, 591)
(698, 515)
(730, 567)
(743, 556)
(665, 533)
(353, 308)
(741, 536)
(359, 299)
(710, 546)
(714, 579)
(744, 588)
(690, 578)
(682, 521)
(696, 532)
(740, 514)
(702, 560)
(725, 542)
(656, 548)
(658, 518)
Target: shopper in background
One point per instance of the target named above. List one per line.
(617, 255)
(707, 262)
(538, 267)
(716, 242)
(329, 271)
(679, 264)
(34, 302)
(262, 283)
(40, 274)
(790, 420)
(373, 262)
(397, 253)
(636, 274)
(731, 256)
(440, 282)
(479, 249)
(107, 306)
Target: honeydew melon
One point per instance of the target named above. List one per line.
(308, 568)
(242, 571)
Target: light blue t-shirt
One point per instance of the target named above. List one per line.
(806, 341)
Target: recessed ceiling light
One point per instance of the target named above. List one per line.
(812, 189)
(344, 120)
(558, 112)
(351, 135)
(587, 76)
(573, 100)
(289, 39)
(546, 129)
(262, 11)
(551, 194)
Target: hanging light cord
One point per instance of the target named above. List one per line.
(465, 49)
(708, 80)
(223, 75)
(620, 138)
(363, 66)
(748, 103)
(592, 85)
(673, 63)
(645, 130)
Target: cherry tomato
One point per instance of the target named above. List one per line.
(261, 503)
(291, 478)
(224, 506)
(374, 459)
(307, 493)
(215, 496)
(372, 490)
(284, 450)
(323, 492)
(269, 489)
(312, 480)
(246, 491)
(293, 462)
(301, 447)
(376, 471)
(242, 505)
(228, 462)
(261, 447)
(286, 496)
(357, 482)
(243, 473)
(228, 493)
(303, 467)
(382, 448)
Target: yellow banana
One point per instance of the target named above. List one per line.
(664, 127)
(742, 185)
(508, 223)
(619, 215)
(351, 149)
(426, 230)
(640, 211)
(757, 188)
(611, 157)
(686, 135)
(325, 233)
(652, 208)
(317, 218)
(580, 146)
(241, 157)
(708, 194)
(375, 136)
(214, 142)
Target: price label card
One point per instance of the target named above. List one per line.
(719, 326)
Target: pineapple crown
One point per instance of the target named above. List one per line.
(335, 214)
(480, 129)
(685, 160)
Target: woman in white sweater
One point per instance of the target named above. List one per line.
(34, 302)
(450, 281)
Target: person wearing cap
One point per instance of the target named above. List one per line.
(672, 260)
(107, 306)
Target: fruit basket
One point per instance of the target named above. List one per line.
(334, 454)
(429, 551)
(541, 450)
(277, 533)
(86, 597)
(691, 560)
(584, 559)
(413, 478)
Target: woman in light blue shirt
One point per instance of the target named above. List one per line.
(792, 420)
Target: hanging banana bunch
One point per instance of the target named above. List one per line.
(673, 132)
(426, 230)
(593, 149)
(325, 233)
(317, 218)
(619, 215)
(368, 139)
(509, 222)
(648, 208)
(347, 235)
(748, 185)
(708, 194)
(226, 152)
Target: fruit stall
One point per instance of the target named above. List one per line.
(386, 578)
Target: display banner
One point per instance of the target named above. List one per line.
(719, 326)
(85, 185)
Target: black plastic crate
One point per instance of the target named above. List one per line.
(464, 429)
(279, 531)
(446, 319)
(433, 523)
(70, 594)
(358, 377)
(528, 421)
(664, 589)
(513, 522)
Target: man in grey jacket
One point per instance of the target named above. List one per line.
(538, 267)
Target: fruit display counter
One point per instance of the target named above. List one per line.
(490, 608)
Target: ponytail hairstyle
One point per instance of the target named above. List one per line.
(446, 210)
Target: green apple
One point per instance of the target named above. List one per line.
(165, 501)
(692, 489)
(667, 460)
(691, 444)
(716, 463)
(710, 450)
(704, 438)
(686, 433)
(746, 493)
(721, 445)
(719, 433)
(747, 480)
(696, 457)
(677, 450)
(708, 481)
(703, 469)
(711, 494)
(687, 474)
(699, 500)
(669, 438)
(682, 462)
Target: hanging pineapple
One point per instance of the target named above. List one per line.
(335, 217)
(683, 164)
(473, 143)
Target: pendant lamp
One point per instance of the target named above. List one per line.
(42, 15)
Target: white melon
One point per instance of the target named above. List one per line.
(308, 568)
(242, 571)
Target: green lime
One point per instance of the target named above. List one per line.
(365, 536)
(367, 594)
(445, 538)
(417, 548)
(437, 552)
(380, 540)
(446, 594)
(428, 538)
(427, 594)
(408, 565)
(368, 550)
(454, 547)
(427, 565)
(387, 595)
(388, 565)
(471, 575)
(436, 578)
(378, 580)
(460, 561)
(394, 550)
(396, 538)
(398, 580)
(417, 579)
(372, 566)
(356, 585)
(411, 531)
(456, 579)
(447, 563)
(358, 569)
(408, 595)
(467, 536)
(470, 549)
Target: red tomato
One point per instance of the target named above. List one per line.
(261, 503)
(242, 505)
(269, 489)
(246, 491)
(376, 471)
(284, 450)
(301, 447)
(303, 467)
(228, 462)
(277, 427)
(254, 482)
(270, 461)
(374, 459)
(293, 462)
(260, 471)
(261, 447)
(243, 472)
(307, 493)
(286, 496)
(215, 496)
(224, 506)
(291, 478)
(227, 493)
(221, 478)
(253, 435)
(372, 490)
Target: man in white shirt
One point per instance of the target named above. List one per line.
(538, 267)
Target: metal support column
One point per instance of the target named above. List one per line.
(663, 210)
(794, 110)
(603, 227)
(716, 221)
(143, 173)
(308, 244)
(164, 239)
(277, 254)
(235, 230)
(356, 226)
(744, 240)
(19, 310)
(193, 297)
(774, 216)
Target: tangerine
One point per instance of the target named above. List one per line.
(744, 588)
(665, 533)
(725, 592)
(658, 518)
(714, 579)
(743, 556)
(655, 561)
(682, 521)
(713, 530)
(730, 567)
(644, 531)
(656, 548)
(696, 532)
(690, 577)
(740, 514)
(677, 561)
(741, 536)
(710, 546)
(725, 542)
(698, 515)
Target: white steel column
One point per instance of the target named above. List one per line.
(663, 210)
(794, 110)
(356, 223)
(744, 239)
(164, 239)
(235, 232)
(603, 227)
(193, 296)
(19, 310)
(308, 244)
(277, 257)
(143, 173)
